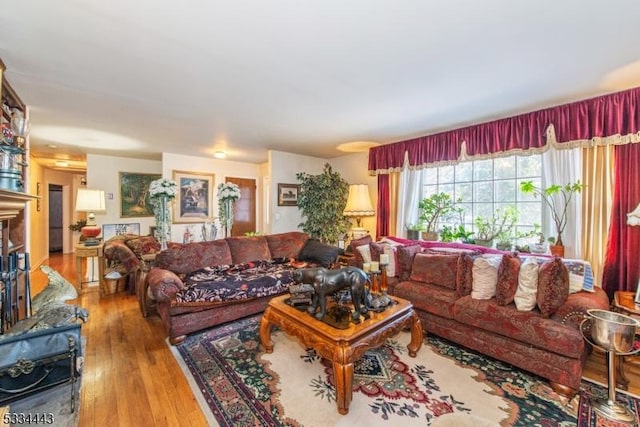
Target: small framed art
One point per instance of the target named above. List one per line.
(288, 194)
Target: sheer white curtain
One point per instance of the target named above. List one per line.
(409, 195)
(563, 167)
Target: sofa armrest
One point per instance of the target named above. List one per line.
(164, 284)
(116, 252)
(574, 309)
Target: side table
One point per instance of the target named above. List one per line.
(623, 303)
(82, 251)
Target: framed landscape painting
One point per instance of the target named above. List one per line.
(288, 194)
(195, 196)
(134, 194)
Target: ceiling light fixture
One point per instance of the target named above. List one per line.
(62, 163)
(219, 154)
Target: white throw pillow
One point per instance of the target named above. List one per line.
(525, 298)
(365, 251)
(485, 277)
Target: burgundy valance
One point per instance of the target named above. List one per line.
(607, 119)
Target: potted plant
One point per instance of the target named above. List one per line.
(322, 200)
(504, 241)
(413, 231)
(456, 233)
(557, 198)
(501, 223)
(433, 209)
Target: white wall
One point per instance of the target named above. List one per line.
(283, 170)
(103, 174)
(220, 169)
(353, 168)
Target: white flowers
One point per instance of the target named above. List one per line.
(228, 191)
(163, 188)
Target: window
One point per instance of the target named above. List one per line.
(482, 186)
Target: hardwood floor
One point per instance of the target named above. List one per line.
(130, 376)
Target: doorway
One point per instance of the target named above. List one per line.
(244, 210)
(55, 218)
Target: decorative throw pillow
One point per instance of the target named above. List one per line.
(525, 297)
(391, 251)
(143, 245)
(405, 260)
(435, 269)
(507, 279)
(315, 250)
(355, 243)
(553, 286)
(365, 253)
(485, 277)
(465, 274)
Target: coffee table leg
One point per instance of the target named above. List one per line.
(416, 336)
(343, 374)
(265, 331)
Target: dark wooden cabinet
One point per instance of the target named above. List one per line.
(14, 217)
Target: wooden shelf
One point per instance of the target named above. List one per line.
(12, 202)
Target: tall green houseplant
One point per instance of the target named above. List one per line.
(322, 199)
(557, 198)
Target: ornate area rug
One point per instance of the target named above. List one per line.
(238, 384)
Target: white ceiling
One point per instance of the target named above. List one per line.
(140, 77)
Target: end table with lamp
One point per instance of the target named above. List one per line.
(90, 252)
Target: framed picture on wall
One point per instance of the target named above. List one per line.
(637, 298)
(288, 194)
(111, 230)
(194, 200)
(134, 194)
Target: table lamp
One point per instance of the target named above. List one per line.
(90, 201)
(358, 205)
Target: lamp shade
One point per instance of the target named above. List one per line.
(633, 218)
(359, 202)
(90, 201)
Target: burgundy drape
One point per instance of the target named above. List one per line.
(622, 261)
(382, 226)
(603, 116)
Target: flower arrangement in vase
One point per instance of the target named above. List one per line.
(161, 191)
(228, 194)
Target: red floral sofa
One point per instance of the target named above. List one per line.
(199, 285)
(544, 340)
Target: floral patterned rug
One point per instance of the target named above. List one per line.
(238, 384)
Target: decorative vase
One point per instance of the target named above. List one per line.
(557, 250)
(430, 236)
(163, 225)
(228, 217)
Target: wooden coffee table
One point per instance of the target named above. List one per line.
(341, 346)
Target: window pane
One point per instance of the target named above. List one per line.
(464, 191)
(464, 172)
(483, 191)
(430, 175)
(484, 210)
(446, 188)
(529, 166)
(482, 170)
(505, 167)
(505, 191)
(446, 174)
(429, 190)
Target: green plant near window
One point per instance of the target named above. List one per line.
(557, 198)
(436, 208)
(499, 226)
(454, 233)
(322, 200)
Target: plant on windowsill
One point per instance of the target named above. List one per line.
(413, 231)
(456, 233)
(501, 223)
(434, 209)
(557, 198)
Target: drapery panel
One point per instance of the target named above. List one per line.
(622, 262)
(607, 119)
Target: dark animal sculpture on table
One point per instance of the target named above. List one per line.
(327, 282)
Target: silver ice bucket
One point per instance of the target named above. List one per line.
(613, 331)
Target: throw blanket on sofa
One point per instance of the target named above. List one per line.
(236, 282)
